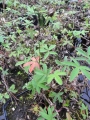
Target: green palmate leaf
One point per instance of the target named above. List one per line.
(56, 96)
(58, 80)
(47, 115)
(40, 79)
(86, 73)
(30, 10)
(56, 76)
(44, 115)
(74, 73)
(52, 94)
(5, 72)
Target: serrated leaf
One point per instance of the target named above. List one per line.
(46, 55)
(49, 111)
(50, 78)
(58, 80)
(44, 115)
(51, 47)
(74, 73)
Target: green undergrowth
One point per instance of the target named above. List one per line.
(39, 37)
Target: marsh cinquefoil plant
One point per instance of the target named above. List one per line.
(76, 67)
(48, 114)
(43, 77)
(43, 48)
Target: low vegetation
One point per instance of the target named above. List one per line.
(48, 42)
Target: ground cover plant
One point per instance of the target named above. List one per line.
(45, 59)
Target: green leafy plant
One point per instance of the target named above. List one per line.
(85, 55)
(48, 19)
(39, 80)
(12, 89)
(84, 111)
(76, 68)
(45, 49)
(56, 76)
(3, 97)
(48, 114)
(56, 96)
(76, 33)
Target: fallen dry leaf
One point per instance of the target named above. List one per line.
(33, 64)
